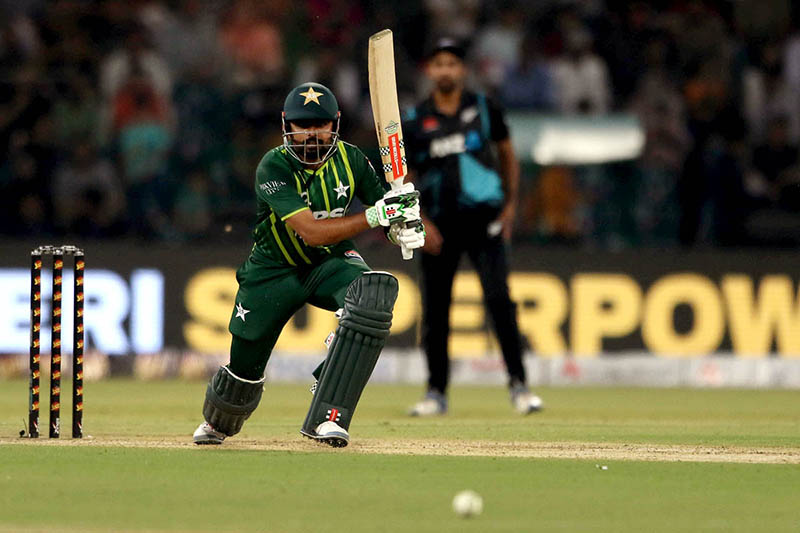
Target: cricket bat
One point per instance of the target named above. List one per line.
(386, 111)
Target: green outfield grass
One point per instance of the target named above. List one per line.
(312, 488)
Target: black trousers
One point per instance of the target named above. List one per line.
(488, 256)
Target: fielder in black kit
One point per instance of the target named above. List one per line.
(465, 169)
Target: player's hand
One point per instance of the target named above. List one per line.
(409, 238)
(504, 224)
(394, 209)
(433, 238)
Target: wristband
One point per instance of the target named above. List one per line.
(372, 217)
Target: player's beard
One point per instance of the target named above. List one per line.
(446, 85)
(314, 149)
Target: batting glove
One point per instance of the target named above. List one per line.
(393, 209)
(410, 238)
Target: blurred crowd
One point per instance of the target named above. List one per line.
(147, 118)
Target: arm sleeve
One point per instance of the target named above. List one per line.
(369, 186)
(497, 121)
(277, 187)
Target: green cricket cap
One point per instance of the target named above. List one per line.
(310, 101)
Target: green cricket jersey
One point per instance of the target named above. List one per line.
(284, 187)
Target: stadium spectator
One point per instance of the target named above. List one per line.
(214, 64)
(27, 98)
(623, 45)
(581, 77)
(659, 106)
(91, 196)
(550, 211)
(529, 83)
(458, 18)
(25, 205)
(766, 94)
(340, 74)
(252, 38)
(203, 119)
(143, 135)
(497, 46)
(76, 111)
(245, 151)
(774, 162)
(192, 213)
(333, 22)
(186, 35)
(20, 41)
(135, 57)
(700, 34)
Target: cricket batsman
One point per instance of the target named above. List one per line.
(303, 254)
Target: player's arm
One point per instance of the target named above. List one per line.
(509, 168)
(402, 207)
(509, 172)
(328, 231)
(382, 211)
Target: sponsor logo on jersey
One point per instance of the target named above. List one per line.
(430, 124)
(391, 127)
(333, 213)
(270, 187)
(352, 254)
(469, 114)
(451, 144)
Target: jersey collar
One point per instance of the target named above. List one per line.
(467, 99)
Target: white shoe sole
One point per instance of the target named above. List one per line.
(208, 440)
(202, 436)
(427, 408)
(533, 407)
(333, 439)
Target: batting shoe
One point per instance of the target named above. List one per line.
(206, 434)
(434, 403)
(331, 434)
(524, 401)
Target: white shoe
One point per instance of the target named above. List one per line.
(434, 403)
(206, 434)
(525, 402)
(331, 434)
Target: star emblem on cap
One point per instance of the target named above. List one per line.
(241, 311)
(311, 96)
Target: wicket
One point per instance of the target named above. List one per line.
(78, 268)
